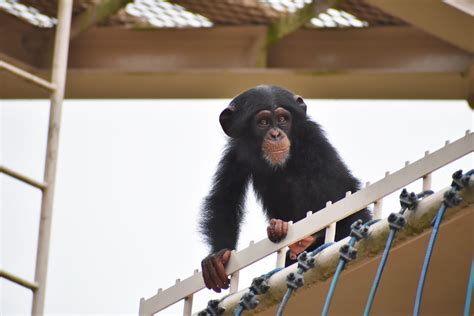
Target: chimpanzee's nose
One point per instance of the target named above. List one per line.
(275, 134)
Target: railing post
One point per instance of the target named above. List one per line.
(427, 182)
(234, 282)
(188, 306)
(378, 209)
(281, 258)
(427, 178)
(330, 234)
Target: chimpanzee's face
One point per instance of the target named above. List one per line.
(262, 118)
(272, 128)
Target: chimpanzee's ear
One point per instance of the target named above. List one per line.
(299, 100)
(226, 119)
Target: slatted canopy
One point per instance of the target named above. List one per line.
(415, 49)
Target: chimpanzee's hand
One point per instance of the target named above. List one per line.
(277, 230)
(213, 270)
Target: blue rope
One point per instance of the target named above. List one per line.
(267, 275)
(470, 287)
(284, 301)
(451, 198)
(320, 248)
(429, 251)
(289, 291)
(238, 310)
(332, 288)
(358, 232)
(378, 275)
(396, 222)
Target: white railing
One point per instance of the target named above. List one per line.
(314, 222)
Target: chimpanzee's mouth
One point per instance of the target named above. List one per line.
(279, 151)
(277, 158)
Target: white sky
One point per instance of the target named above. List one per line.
(132, 175)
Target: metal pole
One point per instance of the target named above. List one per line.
(61, 46)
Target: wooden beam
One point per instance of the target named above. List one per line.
(95, 14)
(121, 49)
(289, 23)
(167, 49)
(435, 17)
(220, 62)
(292, 21)
(226, 83)
(389, 49)
(239, 47)
(22, 41)
(467, 6)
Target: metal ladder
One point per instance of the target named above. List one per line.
(56, 88)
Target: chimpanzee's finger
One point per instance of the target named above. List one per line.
(278, 230)
(205, 273)
(223, 281)
(274, 234)
(214, 279)
(270, 232)
(216, 272)
(225, 259)
(210, 275)
(285, 229)
(226, 256)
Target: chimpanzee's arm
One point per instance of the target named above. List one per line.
(223, 208)
(221, 216)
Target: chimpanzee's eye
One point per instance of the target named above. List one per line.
(263, 122)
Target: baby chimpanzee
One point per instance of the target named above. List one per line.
(293, 169)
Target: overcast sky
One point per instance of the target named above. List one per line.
(132, 175)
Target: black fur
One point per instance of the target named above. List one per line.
(313, 175)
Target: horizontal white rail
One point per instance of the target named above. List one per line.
(318, 221)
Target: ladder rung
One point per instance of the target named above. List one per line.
(23, 178)
(28, 76)
(16, 279)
